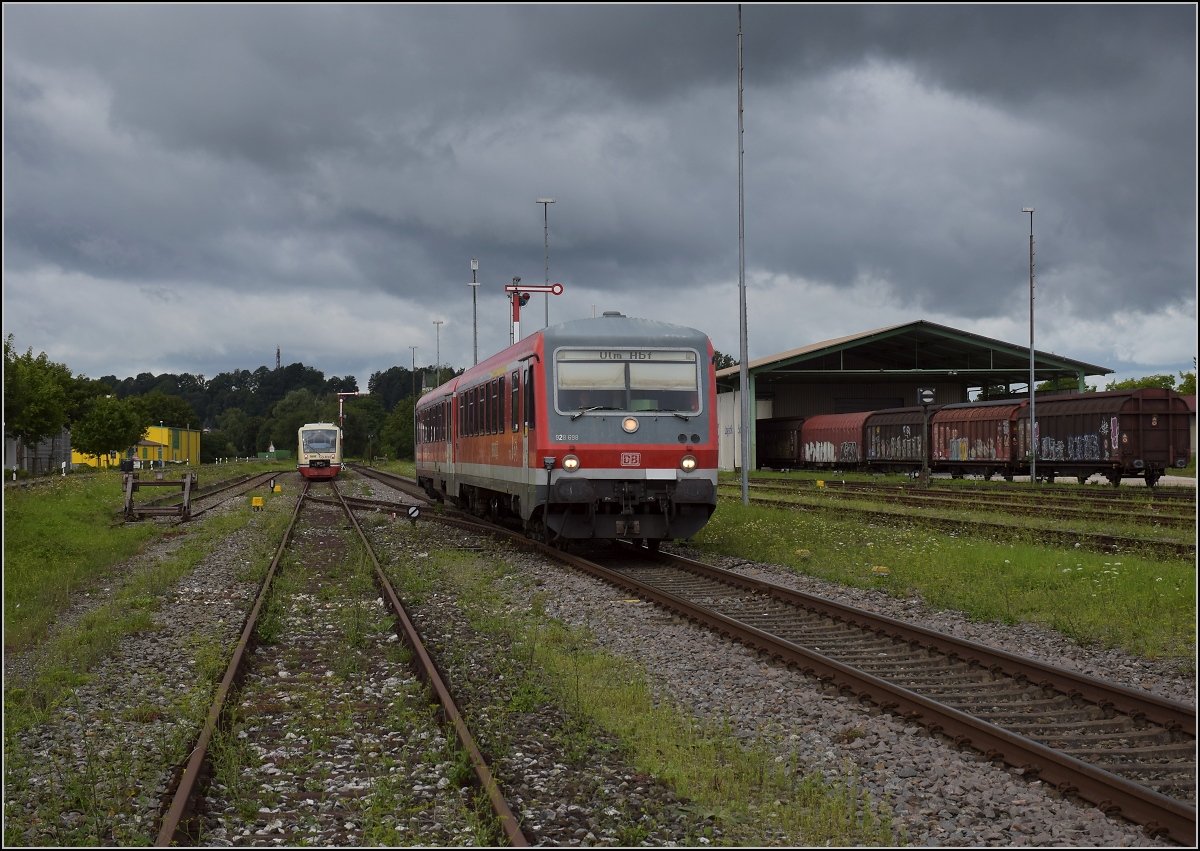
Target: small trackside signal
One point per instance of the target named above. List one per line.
(413, 513)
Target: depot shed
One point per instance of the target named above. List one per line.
(884, 368)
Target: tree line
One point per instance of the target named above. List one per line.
(239, 413)
(242, 413)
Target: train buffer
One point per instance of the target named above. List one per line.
(133, 482)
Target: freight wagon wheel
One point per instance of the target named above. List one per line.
(651, 544)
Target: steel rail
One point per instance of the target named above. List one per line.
(1082, 509)
(1169, 713)
(1107, 543)
(186, 790)
(508, 821)
(1158, 813)
(1111, 793)
(1006, 489)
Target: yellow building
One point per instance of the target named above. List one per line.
(160, 444)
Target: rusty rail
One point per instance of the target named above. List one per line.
(508, 821)
(186, 791)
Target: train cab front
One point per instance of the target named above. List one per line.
(633, 448)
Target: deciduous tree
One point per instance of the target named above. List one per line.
(112, 425)
(36, 401)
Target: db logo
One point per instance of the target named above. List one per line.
(631, 459)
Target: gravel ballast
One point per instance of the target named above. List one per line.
(132, 717)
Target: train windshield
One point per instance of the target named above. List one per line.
(319, 440)
(627, 381)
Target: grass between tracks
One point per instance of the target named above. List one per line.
(328, 581)
(751, 790)
(59, 542)
(1142, 605)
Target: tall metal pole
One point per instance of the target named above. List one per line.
(475, 307)
(437, 327)
(546, 202)
(744, 374)
(414, 348)
(1032, 411)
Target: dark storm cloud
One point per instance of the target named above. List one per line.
(286, 149)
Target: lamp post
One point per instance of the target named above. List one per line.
(743, 342)
(437, 326)
(1032, 413)
(414, 348)
(474, 285)
(546, 202)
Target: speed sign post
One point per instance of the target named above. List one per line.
(926, 396)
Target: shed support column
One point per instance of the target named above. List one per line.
(753, 422)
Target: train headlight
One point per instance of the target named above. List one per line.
(688, 463)
(630, 424)
(570, 463)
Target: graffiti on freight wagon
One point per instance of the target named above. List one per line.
(1099, 445)
(948, 446)
(895, 447)
(825, 452)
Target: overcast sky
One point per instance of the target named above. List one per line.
(188, 187)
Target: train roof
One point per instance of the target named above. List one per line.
(611, 329)
(614, 329)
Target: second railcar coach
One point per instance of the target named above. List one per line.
(319, 453)
(596, 428)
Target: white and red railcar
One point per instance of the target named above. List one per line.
(596, 428)
(319, 450)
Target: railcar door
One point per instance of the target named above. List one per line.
(447, 428)
(527, 407)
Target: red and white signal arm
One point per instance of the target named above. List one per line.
(553, 289)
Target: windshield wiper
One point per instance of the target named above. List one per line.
(683, 417)
(579, 414)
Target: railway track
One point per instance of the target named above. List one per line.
(1130, 753)
(1150, 513)
(285, 700)
(1022, 490)
(1054, 537)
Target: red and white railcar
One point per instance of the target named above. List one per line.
(596, 428)
(319, 450)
